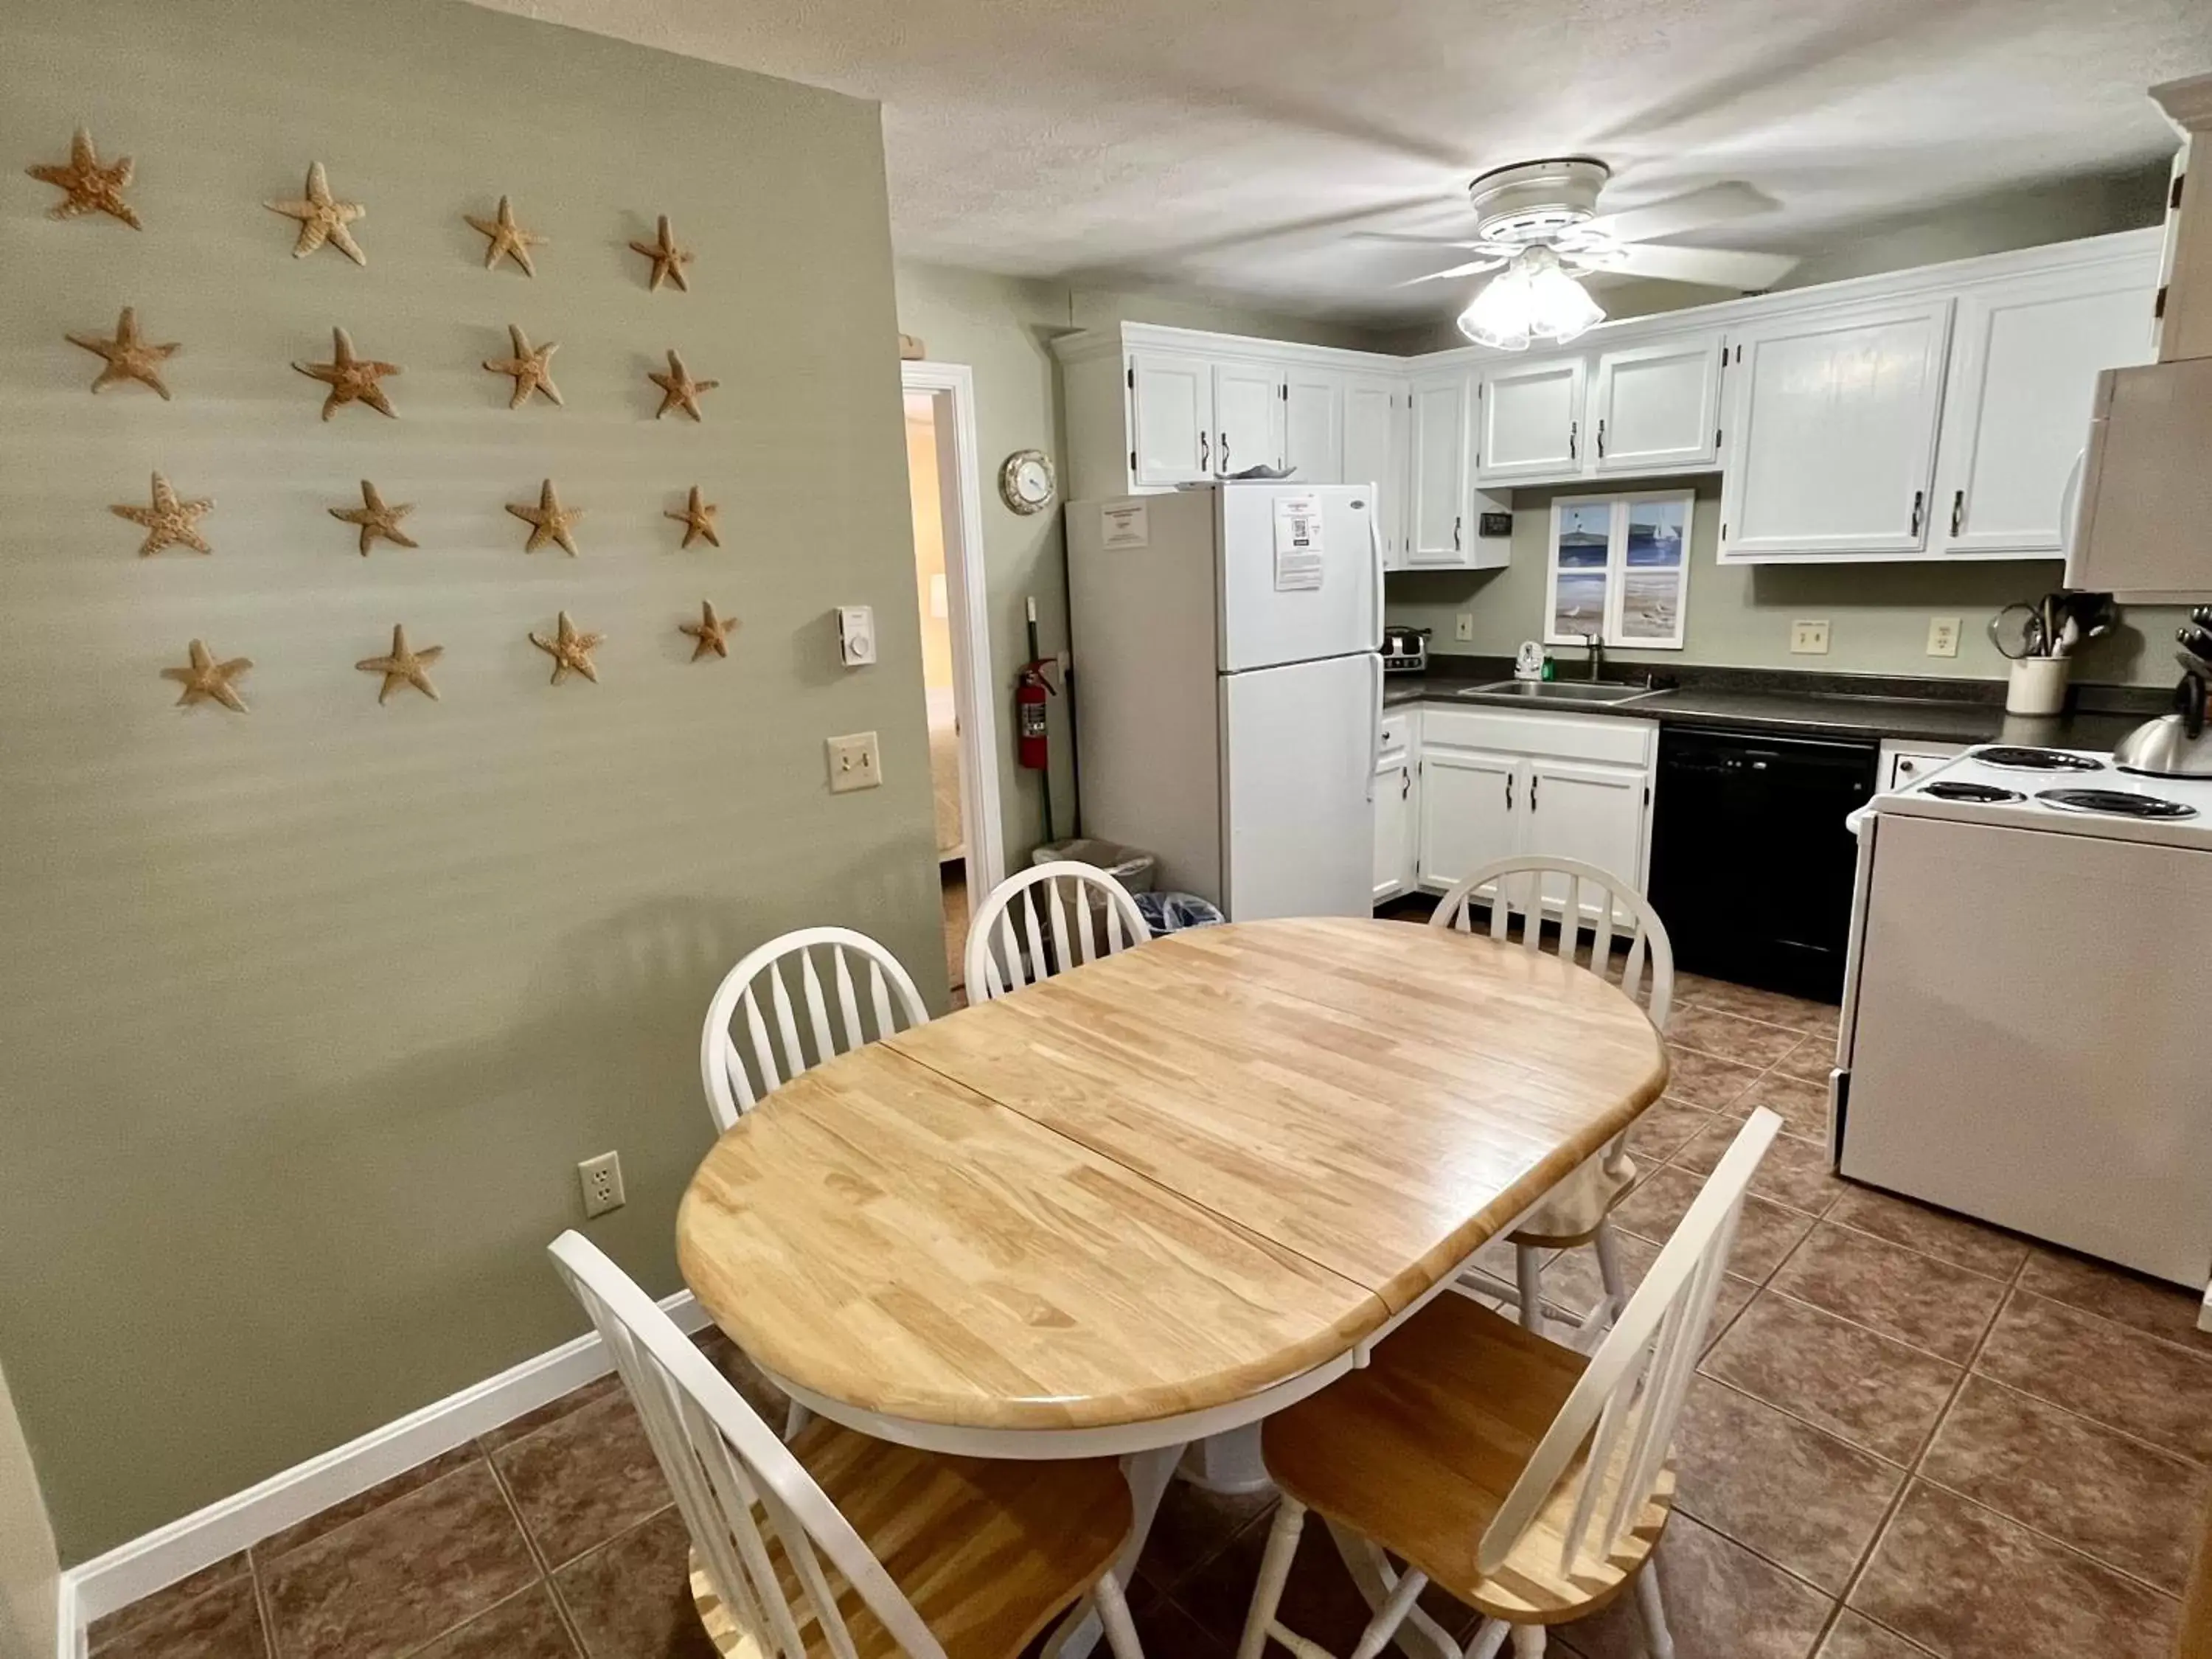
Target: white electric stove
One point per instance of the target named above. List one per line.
(2026, 1002)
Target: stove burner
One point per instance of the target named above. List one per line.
(2115, 803)
(2015, 757)
(1988, 793)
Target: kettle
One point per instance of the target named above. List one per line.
(2175, 745)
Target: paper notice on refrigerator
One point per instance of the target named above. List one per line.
(1124, 526)
(1298, 543)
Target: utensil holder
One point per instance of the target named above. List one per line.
(2037, 686)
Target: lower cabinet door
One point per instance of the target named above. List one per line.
(1394, 829)
(1471, 803)
(1587, 811)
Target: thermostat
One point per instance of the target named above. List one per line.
(856, 635)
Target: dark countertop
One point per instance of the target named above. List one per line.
(1841, 706)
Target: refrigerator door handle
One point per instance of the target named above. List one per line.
(1375, 541)
(1375, 729)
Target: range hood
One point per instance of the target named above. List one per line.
(2142, 523)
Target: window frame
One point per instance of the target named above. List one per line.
(1620, 504)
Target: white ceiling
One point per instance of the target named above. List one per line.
(1226, 144)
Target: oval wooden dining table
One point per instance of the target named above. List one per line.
(1155, 1198)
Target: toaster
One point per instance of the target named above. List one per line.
(1405, 650)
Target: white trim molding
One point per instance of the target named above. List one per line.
(132, 1571)
(975, 685)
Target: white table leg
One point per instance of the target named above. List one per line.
(1420, 1636)
(1148, 1473)
(1229, 1462)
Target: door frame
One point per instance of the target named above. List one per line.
(951, 389)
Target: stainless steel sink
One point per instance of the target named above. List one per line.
(1558, 692)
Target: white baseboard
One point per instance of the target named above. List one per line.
(181, 1548)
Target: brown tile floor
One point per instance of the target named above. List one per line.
(1912, 1435)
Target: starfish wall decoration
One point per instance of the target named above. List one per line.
(206, 678)
(403, 667)
(375, 519)
(681, 390)
(698, 519)
(86, 186)
(570, 650)
(712, 633)
(668, 259)
(532, 370)
(507, 238)
(351, 378)
(322, 218)
(550, 521)
(129, 357)
(169, 522)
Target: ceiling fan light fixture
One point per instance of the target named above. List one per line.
(1532, 299)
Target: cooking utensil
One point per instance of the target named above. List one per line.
(2017, 632)
(2196, 663)
(2198, 640)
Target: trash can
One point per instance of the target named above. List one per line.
(1133, 866)
(1170, 913)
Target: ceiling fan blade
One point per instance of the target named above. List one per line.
(1414, 241)
(1713, 267)
(1691, 211)
(1467, 269)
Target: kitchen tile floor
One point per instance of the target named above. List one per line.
(1911, 1435)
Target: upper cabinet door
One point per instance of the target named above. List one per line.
(1376, 418)
(1656, 408)
(1247, 418)
(1170, 417)
(2025, 357)
(1441, 536)
(1832, 433)
(1313, 428)
(1532, 422)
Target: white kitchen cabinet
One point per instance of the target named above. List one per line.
(1831, 432)
(1313, 426)
(1247, 418)
(1656, 408)
(1171, 418)
(1377, 417)
(1470, 810)
(1530, 421)
(2025, 357)
(1440, 531)
(1491, 784)
(1397, 814)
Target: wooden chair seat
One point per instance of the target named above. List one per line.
(989, 1551)
(1419, 1451)
(1572, 1211)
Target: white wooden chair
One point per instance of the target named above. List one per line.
(1578, 1210)
(1525, 1479)
(891, 999)
(1023, 931)
(841, 1546)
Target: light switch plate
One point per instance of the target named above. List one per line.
(1809, 638)
(1463, 625)
(855, 763)
(856, 635)
(1943, 636)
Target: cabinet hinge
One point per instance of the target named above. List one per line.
(1724, 529)
(1133, 460)
(1132, 376)
(2158, 306)
(1647, 795)
(1717, 437)
(2173, 196)
(1286, 390)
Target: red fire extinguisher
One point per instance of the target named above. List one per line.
(1033, 685)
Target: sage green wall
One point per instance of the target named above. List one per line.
(28, 1569)
(307, 1014)
(1002, 327)
(1739, 615)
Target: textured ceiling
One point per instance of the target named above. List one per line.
(1228, 143)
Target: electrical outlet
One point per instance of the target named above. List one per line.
(1809, 638)
(1943, 636)
(855, 763)
(602, 1182)
(1463, 625)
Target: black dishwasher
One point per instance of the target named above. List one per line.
(1752, 867)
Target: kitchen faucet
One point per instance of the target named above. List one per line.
(1594, 644)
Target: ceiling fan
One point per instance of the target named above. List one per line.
(1537, 223)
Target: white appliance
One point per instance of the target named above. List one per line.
(1228, 689)
(2023, 1023)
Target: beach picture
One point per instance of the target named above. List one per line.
(1620, 568)
(1655, 559)
(1582, 558)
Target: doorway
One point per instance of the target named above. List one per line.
(946, 499)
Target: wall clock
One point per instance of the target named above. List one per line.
(1025, 482)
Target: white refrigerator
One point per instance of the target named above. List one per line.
(1228, 689)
